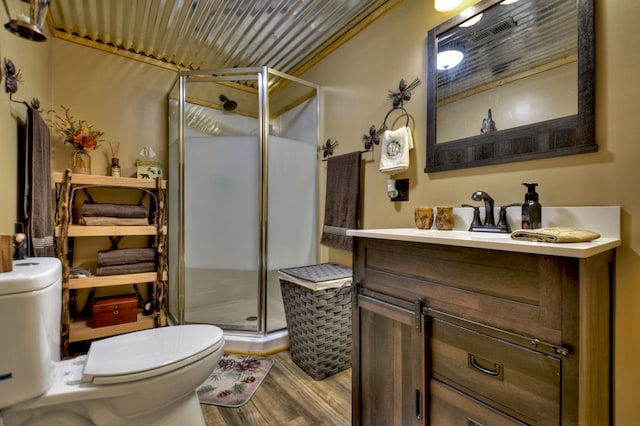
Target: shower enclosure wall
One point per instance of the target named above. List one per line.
(242, 198)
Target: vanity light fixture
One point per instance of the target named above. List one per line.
(26, 18)
(446, 5)
(448, 59)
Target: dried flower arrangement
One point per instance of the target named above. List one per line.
(78, 133)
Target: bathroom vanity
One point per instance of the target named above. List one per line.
(456, 328)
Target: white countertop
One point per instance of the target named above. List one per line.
(604, 220)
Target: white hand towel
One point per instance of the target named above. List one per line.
(394, 155)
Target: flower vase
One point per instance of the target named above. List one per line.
(81, 162)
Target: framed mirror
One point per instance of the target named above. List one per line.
(511, 80)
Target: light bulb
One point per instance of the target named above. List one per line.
(446, 5)
(448, 59)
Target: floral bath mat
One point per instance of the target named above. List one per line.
(234, 381)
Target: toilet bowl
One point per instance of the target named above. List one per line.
(146, 377)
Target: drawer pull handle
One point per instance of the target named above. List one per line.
(479, 364)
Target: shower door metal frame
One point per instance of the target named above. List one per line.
(261, 74)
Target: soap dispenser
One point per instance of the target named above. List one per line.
(531, 209)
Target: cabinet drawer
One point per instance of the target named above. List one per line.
(511, 378)
(518, 292)
(453, 408)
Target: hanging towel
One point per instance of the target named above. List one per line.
(342, 203)
(394, 152)
(36, 190)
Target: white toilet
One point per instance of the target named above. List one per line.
(147, 377)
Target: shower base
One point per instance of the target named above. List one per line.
(231, 304)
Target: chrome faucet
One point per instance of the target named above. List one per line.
(488, 207)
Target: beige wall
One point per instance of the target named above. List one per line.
(126, 99)
(34, 62)
(355, 81)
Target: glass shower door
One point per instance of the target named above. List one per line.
(249, 195)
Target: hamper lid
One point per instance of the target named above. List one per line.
(318, 277)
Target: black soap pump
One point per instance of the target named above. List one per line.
(531, 209)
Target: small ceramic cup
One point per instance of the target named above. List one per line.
(444, 218)
(423, 217)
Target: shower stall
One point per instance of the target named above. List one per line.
(242, 194)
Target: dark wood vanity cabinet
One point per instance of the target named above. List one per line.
(390, 359)
(448, 335)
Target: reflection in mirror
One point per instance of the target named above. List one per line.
(510, 81)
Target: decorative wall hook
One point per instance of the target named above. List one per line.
(404, 92)
(373, 138)
(12, 76)
(327, 148)
(398, 98)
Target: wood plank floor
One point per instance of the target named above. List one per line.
(288, 396)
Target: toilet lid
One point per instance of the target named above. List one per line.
(147, 353)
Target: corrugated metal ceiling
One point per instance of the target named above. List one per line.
(287, 35)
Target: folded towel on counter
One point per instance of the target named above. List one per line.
(342, 202)
(113, 221)
(132, 268)
(113, 210)
(126, 256)
(394, 151)
(558, 234)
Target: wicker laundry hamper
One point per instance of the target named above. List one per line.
(317, 303)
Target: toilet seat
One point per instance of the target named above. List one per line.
(148, 353)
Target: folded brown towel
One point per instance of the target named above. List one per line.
(558, 234)
(113, 210)
(133, 268)
(113, 221)
(126, 256)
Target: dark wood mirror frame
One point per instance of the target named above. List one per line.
(557, 137)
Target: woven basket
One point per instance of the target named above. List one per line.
(319, 323)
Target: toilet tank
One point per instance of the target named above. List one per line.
(30, 303)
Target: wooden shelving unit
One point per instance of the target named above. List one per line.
(67, 184)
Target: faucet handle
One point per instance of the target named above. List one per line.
(476, 216)
(511, 205)
(502, 221)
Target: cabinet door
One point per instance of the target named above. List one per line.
(389, 366)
